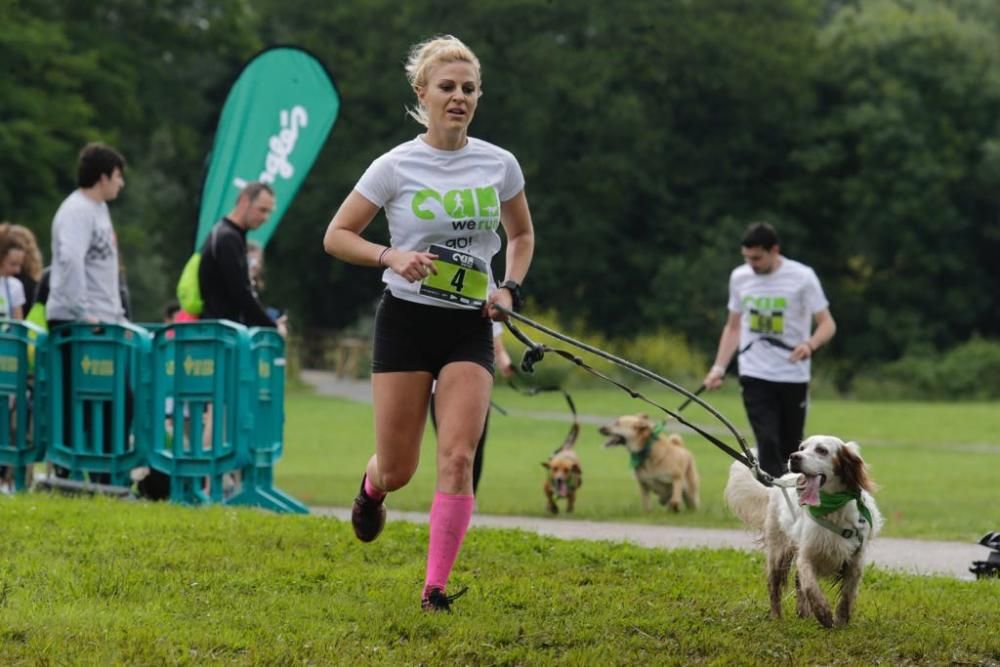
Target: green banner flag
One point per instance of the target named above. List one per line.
(274, 123)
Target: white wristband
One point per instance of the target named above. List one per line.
(716, 369)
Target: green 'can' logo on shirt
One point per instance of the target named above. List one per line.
(480, 203)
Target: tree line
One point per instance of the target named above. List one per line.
(650, 134)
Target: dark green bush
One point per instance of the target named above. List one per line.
(970, 371)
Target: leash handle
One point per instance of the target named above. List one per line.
(697, 392)
(533, 353)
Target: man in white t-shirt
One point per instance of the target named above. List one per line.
(773, 303)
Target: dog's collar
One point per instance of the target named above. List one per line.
(831, 502)
(636, 459)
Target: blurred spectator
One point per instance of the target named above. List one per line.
(84, 282)
(224, 273)
(170, 312)
(31, 267)
(255, 267)
(11, 289)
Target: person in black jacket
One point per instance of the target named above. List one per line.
(223, 275)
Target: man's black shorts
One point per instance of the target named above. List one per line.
(417, 337)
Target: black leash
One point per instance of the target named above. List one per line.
(535, 352)
(771, 340)
(574, 429)
(498, 407)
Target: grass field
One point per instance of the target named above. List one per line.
(101, 582)
(936, 463)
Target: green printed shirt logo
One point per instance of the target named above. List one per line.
(766, 314)
(481, 205)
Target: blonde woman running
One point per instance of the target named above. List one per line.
(445, 194)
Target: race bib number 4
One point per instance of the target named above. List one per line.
(460, 279)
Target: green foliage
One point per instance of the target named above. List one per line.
(127, 583)
(970, 371)
(897, 179)
(865, 130)
(665, 353)
(45, 114)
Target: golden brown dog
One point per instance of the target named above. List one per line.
(661, 463)
(565, 475)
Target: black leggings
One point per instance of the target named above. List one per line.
(777, 413)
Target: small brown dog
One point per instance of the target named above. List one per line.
(661, 463)
(565, 475)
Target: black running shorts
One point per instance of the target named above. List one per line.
(418, 337)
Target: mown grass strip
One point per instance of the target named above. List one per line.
(107, 582)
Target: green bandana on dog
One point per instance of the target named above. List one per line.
(831, 502)
(636, 459)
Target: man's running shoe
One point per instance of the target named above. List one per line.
(367, 515)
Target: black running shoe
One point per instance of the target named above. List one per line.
(367, 515)
(436, 600)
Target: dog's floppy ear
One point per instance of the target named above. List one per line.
(545, 464)
(851, 468)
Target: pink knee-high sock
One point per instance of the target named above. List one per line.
(450, 516)
(373, 491)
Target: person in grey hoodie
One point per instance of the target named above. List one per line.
(84, 277)
(83, 285)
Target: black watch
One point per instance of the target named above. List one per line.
(514, 288)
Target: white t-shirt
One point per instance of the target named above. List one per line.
(11, 295)
(780, 304)
(449, 198)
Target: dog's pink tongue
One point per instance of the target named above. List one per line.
(809, 489)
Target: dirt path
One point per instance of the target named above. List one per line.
(914, 556)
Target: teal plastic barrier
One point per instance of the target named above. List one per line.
(202, 374)
(267, 353)
(22, 388)
(93, 370)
